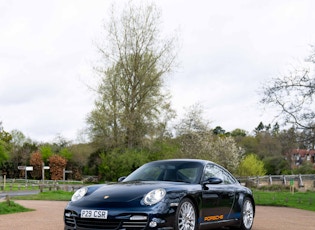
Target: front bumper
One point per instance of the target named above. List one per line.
(120, 220)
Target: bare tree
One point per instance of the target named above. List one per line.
(293, 95)
(132, 103)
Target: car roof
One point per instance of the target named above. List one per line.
(184, 160)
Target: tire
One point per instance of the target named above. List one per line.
(247, 215)
(186, 216)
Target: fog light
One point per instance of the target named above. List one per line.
(152, 224)
(138, 218)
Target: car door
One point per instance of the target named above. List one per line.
(217, 198)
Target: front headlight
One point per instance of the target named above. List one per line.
(154, 196)
(79, 194)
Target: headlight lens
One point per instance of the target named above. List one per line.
(154, 196)
(79, 194)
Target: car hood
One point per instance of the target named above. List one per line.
(130, 193)
(126, 191)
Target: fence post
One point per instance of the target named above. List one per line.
(300, 181)
(41, 187)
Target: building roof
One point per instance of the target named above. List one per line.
(303, 152)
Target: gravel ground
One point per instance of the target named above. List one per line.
(48, 215)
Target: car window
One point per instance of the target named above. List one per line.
(189, 172)
(145, 173)
(212, 170)
(151, 173)
(182, 172)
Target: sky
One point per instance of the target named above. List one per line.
(228, 50)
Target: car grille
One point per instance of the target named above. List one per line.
(104, 224)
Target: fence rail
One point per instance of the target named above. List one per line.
(301, 181)
(51, 185)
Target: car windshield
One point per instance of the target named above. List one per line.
(177, 171)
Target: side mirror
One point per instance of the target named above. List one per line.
(120, 179)
(213, 180)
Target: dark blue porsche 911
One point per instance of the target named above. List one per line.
(183, 194)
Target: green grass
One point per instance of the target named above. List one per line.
(300, 200)
(8, 207)
(49, 195)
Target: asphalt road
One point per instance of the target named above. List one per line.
(49, 216)
(18, 193)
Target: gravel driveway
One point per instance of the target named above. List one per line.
(49, 216)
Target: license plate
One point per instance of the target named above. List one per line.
(96, 214)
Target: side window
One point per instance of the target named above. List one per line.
(212, 170)
(228, 179)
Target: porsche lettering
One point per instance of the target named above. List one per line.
(213, 218)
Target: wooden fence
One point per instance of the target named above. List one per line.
(300, 182)
(47, 185)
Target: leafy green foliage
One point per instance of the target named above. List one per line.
(5, 139)
(163, 149)
(3, 152)
(121, 163)
(276, 165)
(66, 153)
(305, 168)
(239, 133)
(4, 136)
(47, 152)
(251, 166)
